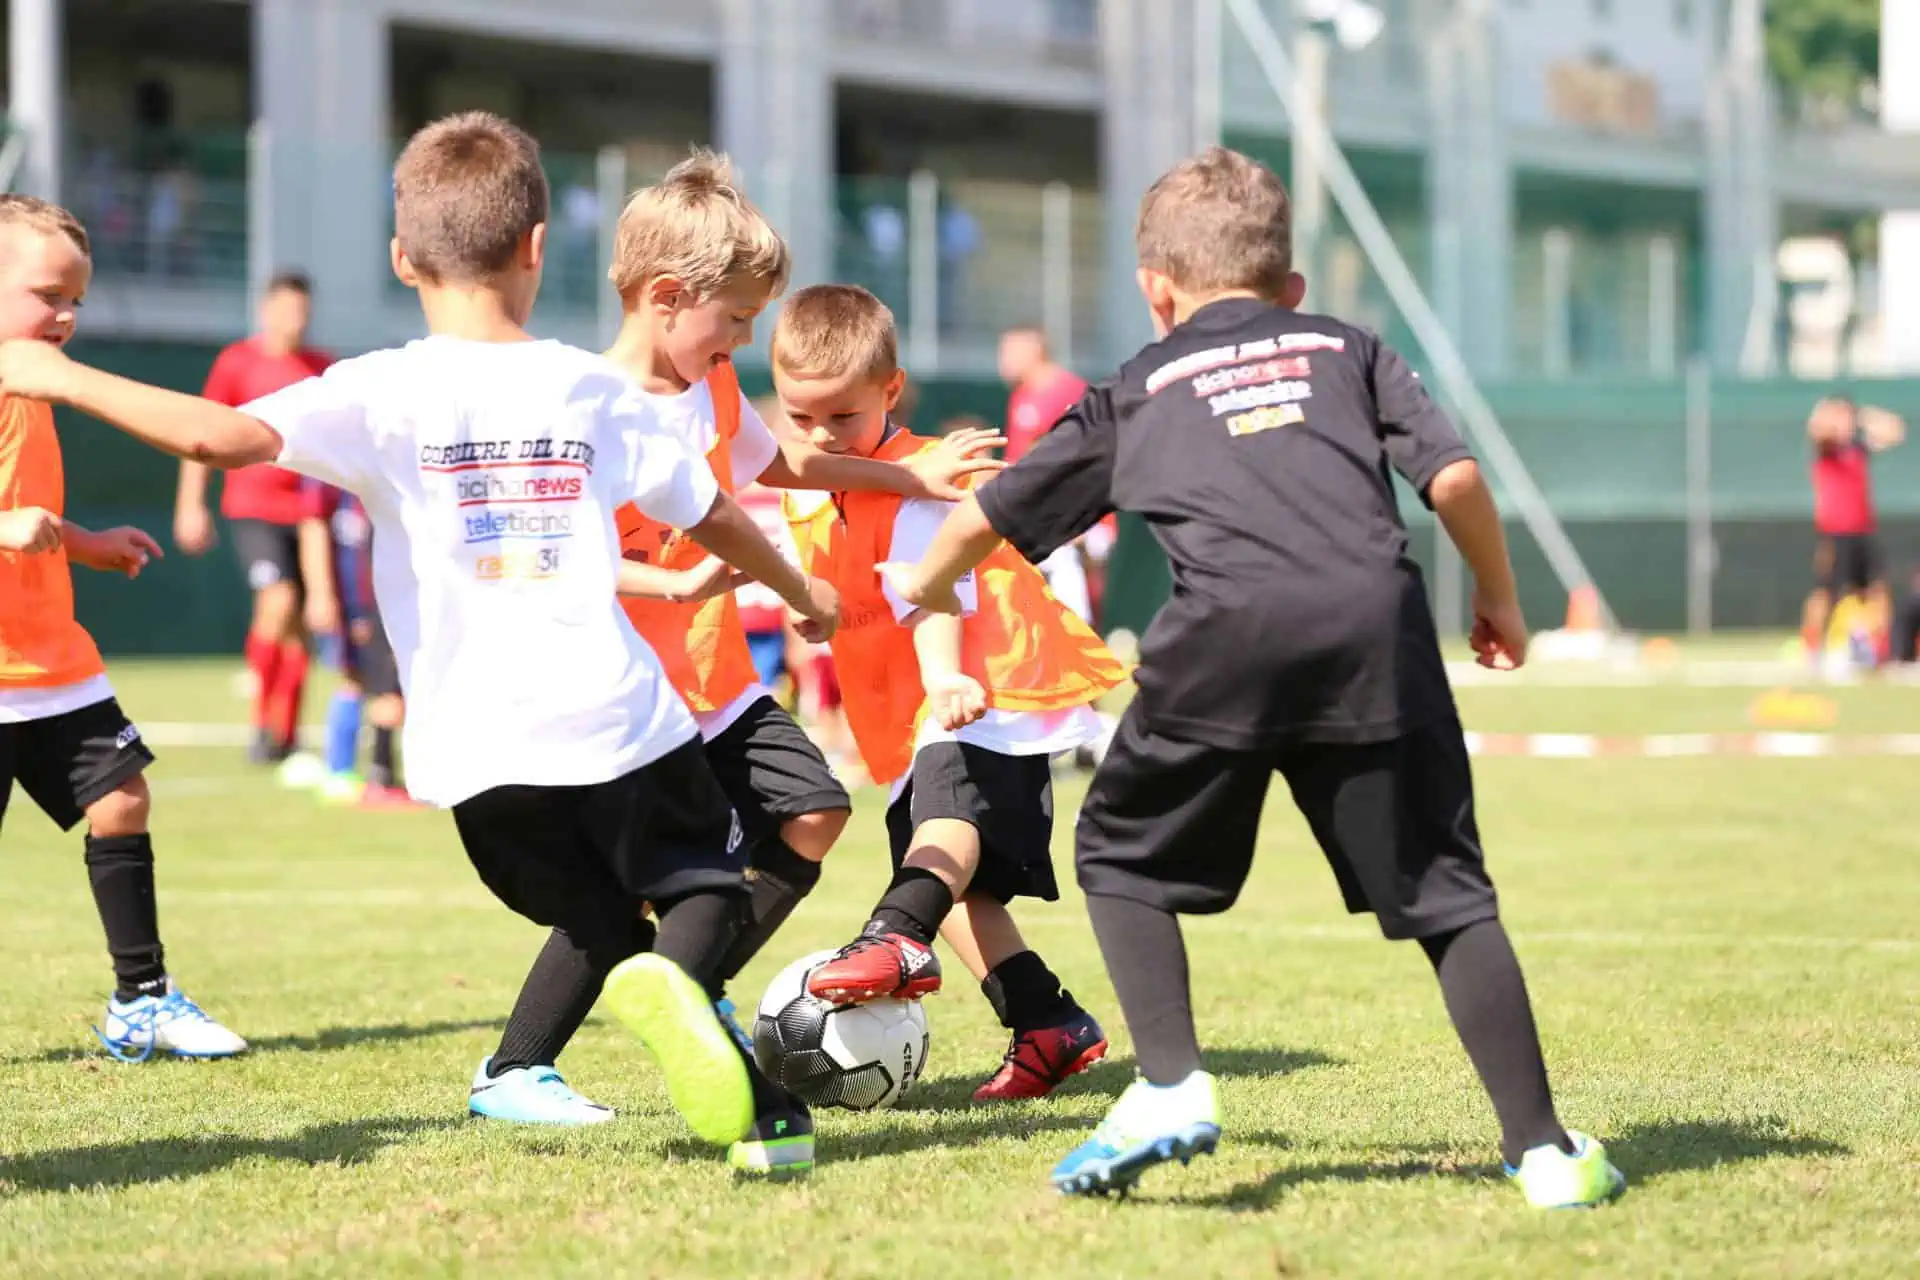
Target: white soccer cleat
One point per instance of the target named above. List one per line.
(165, 1024)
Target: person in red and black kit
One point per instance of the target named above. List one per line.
(263, 506)
(1846, 554)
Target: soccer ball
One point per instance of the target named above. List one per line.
(860, 1057)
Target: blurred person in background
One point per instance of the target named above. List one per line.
(264, 506)
(1847, 557)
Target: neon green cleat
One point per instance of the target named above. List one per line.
(1552, 1179)
(342, 788)
(706, 1076)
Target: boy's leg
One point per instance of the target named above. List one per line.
(1397, 824)
(1167, 827)
(1052, 1036)
(791, 809)
(89, 765)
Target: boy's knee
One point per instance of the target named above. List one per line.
(124, 811)
(813, 835)
(275, 611)
(386, 711)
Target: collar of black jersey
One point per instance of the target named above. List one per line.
(1228, 313)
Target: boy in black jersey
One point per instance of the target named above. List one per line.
(1257, 440)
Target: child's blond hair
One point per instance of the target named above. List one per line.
(40, 215)
(834, 330)
(697, 226)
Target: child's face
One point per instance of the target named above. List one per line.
(43, 277)
(698, 334)
(845, 414)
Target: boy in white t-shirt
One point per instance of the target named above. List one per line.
(490, 466)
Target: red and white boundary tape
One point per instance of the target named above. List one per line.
(1584, 746)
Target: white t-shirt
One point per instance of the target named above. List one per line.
(689, 417)
(491, 473)
(1011, 733)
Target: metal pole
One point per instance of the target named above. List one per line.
(37, 90)
(1700, 549)
(1556, 283)
(923, 270)
(610, 183)
(1056, 268)
(1312, 50)
(262, 253)
(1449, 368)
(1209, 89)
(1663, 306)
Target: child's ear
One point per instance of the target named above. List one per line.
(895, 385)
(1158, 291)
(402, 269)
(664, 293)
(1295, 291)
(533, 247)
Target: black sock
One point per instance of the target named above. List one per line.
(915, 904)
(121, 870)
(558, 994)
(697, 932)
(1026, 994)
(1487, 1000)
(380, 770)
(781, 878)
(1147, 960)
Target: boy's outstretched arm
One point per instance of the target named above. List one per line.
(711, 577)
(730, 533)
(935, 473)
(965, 539)
(182, 425)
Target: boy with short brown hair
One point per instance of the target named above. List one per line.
(961, 715)
(1257, 440)
(491, 465)
(63, 735)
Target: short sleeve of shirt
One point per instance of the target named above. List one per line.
(913, 530)
(659, 474)
(1062, 486)
(318, 500)
(324, 427)
(1419, 438)
(754, 447)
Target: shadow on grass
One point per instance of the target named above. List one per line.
(126, 1164)
(1111, 1075)
(1644, 1153)
(323, 1041)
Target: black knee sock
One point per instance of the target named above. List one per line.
(1147, 960)
(697, 932)
(1487, 1000)
(1026, 994)
(380, 770)
(915, 904)
(121, 870)
(559, 993)
(781, 878)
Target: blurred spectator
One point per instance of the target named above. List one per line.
(1846, 557)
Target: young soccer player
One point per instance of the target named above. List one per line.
(1258, 440)
(961, 716)
(336, 566)
(62, 733)
(491, 465)
(695, 262)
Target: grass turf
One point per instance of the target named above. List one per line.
(1722, 954)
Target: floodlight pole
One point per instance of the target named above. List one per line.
(1312, 51)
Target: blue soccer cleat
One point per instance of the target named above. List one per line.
(531, 1095)
(1148, 1126)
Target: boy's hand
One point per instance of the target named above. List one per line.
(30, 529)
(34, 370)
(123, 550)
(956, 700)
(906, 581)
(954, 458)
(821, 616)
(711, 577)
(323, 613)
(1499, 636)
(193, 529)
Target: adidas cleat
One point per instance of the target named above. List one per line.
(168, 1024)
(1038, 1061)
(1552, 1179)
(1148, 1126)
(877, 966)
(706, 1076)
(779, 1145)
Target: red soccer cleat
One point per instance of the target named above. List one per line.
(1037, 1061)
(876, 967)
(378, 797)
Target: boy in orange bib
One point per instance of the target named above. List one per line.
(63, 736)
(695, 263)
(962, 715)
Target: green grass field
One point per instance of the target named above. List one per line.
(1723, 954)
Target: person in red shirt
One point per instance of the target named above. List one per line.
(263, 507)
(1846, 555)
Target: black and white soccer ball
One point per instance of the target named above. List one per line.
(859, 1057)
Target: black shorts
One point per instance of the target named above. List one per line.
(585, 858)
(67, 762)
(1846, 562)
(772, 771)
(269, 553)
(1173, 824)
(370, 657)
(1007, 799)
